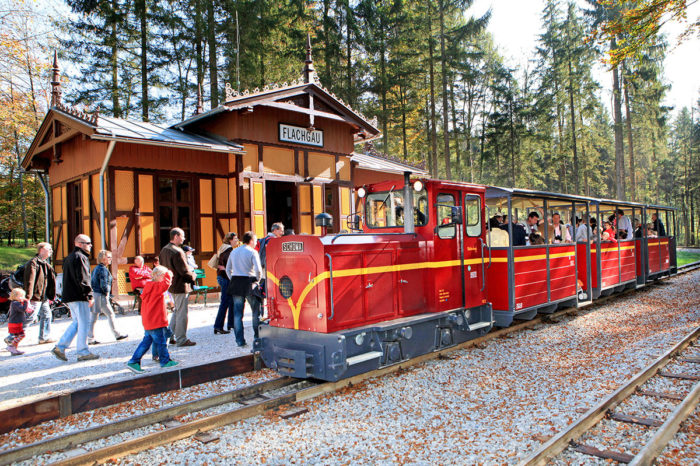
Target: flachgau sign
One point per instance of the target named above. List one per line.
(299, 135)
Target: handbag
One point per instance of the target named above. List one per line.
(214, 262)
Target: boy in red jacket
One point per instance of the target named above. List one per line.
(155, 322)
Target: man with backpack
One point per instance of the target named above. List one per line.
(40, 285)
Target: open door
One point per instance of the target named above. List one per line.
(257, 207)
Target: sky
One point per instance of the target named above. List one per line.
(516, 24)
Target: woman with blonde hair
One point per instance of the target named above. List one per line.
(101, 283)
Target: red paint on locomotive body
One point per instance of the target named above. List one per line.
(378, 278)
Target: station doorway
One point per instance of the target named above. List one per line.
(279, 199)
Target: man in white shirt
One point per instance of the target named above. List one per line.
(244, 271)
(624, 224)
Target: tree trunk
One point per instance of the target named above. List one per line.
(213, 69)
(348, 66)
(142, 12)
(445, 106)
(114, 63)
(628, 116)
(327, 49)
(404, 137)
(383, 85)
(458, 155)
(433, 134)
(577, 185)
(198, 40)
(619, 145)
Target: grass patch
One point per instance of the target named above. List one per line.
(685, 257)
(11, 257)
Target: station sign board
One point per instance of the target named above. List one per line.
(299, 135)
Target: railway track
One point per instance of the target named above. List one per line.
(249, 401)
(569, 438)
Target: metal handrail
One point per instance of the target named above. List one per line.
(483, 269)
(330, 268)
(370, 234)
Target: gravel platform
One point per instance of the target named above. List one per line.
(38, 372)
(489, 405)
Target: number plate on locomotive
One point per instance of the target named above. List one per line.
(293, 246)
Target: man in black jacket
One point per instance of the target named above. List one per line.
(40, 285)
(77, 294)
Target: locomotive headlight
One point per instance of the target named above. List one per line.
(286, 287)
(418, 186)
(359, 339)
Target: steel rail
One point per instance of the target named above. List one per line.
(561, 441)
(669, 428)
(134, 422)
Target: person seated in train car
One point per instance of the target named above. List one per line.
(594, 227)
(608, 232)
(651, 233)
(637, 228)
(532, 224)
(624, 224)
(557, 232)
(583, 231)
(497, 237)
(658, 224)
(519, 234)
(536, 239)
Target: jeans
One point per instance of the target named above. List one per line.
(238, 307)
(156, 337)
(225, 305)
(102, 306)
(80, 313)
(45, 317)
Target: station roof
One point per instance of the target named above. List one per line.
(62, 123)
(377, 163)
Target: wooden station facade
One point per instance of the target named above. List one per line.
(283, 153)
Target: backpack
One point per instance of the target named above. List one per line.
(17, 277)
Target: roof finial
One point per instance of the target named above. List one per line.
(200, 103)
(55, 82)
(309, 73)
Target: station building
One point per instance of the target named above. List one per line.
(281, 153)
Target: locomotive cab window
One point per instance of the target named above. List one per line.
(472, 211)
(386, 209)
(445, 228)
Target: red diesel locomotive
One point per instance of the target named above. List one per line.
(413, 281)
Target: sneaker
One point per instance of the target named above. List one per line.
(93, 342)
(156, 358)
(14, 351)
(187, 343)
(46, 340)
(88, 357)
(135, 367)
(172, 340)
(170, 363)
(121, 337)
(59, 353)
(243, 345)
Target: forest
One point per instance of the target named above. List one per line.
(429, 71)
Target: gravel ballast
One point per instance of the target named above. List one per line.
(489, 405)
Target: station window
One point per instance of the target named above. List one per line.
(444, 216)
(386, 209)
(472, 207)
(175, 207)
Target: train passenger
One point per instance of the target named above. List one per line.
(583, 231)
(608, 232)
(497, 237)
(532, 223)
(244, 270)
(658, 225)
(519, 234)
(651, 233)
(558, 233)
(536, 239)
(154, 318)
(624, 225)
